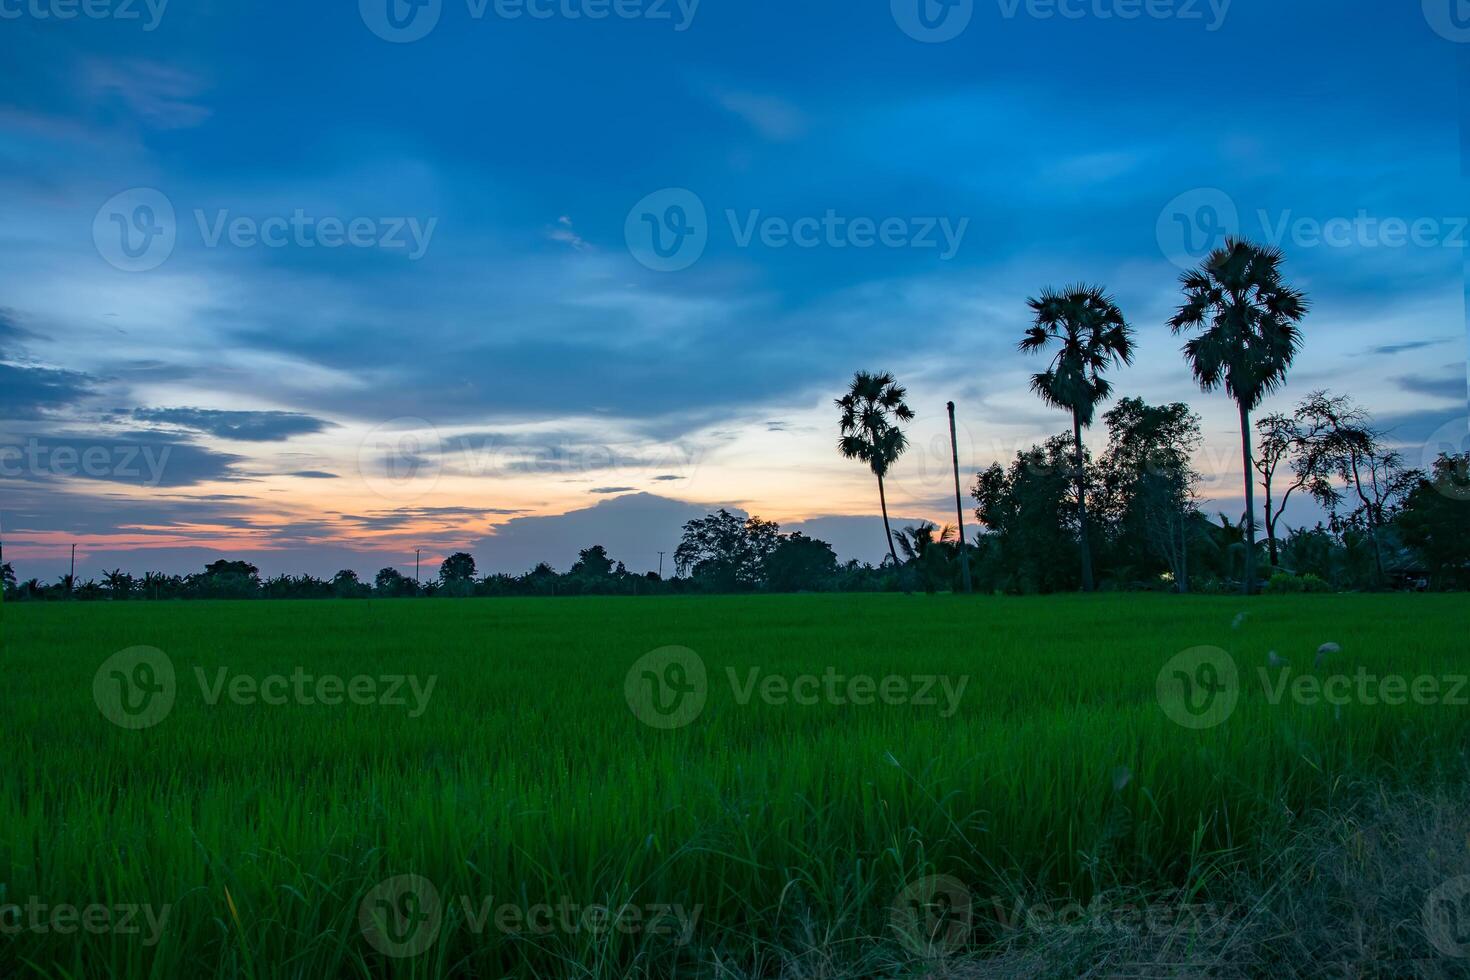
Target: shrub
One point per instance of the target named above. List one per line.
(1285, 583)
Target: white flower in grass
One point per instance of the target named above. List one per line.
(1326, 650)
(1276, 660)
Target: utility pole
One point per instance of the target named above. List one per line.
(416, 553)
(71, 578)
(660, 566)
(959, 504)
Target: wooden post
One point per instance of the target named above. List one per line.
(959, 504)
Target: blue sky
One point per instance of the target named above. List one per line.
(496, 316)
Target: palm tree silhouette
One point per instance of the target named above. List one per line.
(870, 409)
(1247, 318)
(1091, 334)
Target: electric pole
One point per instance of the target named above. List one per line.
(660, 566)
(959, 504)
(416, 553)
(71, 578)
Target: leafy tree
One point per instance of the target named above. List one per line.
(1031, 516)
(392, 583)
(593, 563)
(7, 577)
(1375, 476)
(346, 585)
(458, 567)
(1435, 522)
(726, 554)
(1090, 334)
(1247, 318)
(1296, 441)
(871, 409)
(224, 579)
(800, 564)
(1149, 485)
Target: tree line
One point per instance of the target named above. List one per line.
(1138, 503)
(1057, 517)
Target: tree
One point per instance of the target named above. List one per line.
(7, 577)
(1374, 474)
(1435, 522)
(871, 409)
(1031, 518)
(1149, 484)
(226, 580)
(1296, 441)
(1090, 335)
(593, 563)
(458, 567)
(346, 585)
(391, 582)
(119, 584)
(931, 551)
(800, 564)
(1247, 318)
(725, 553)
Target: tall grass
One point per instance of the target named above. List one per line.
(791, 829)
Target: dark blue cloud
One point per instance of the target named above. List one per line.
(239, 426)
(147, 460)
(33, 392)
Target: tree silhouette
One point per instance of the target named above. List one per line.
(1248, 336)
(874, 403)
(1090, 335)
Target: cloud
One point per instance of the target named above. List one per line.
(612, 490)
(238, 426)
(314, 475)
(137, 459)
(160, 95)
(30, 392)
(1387, 350)
(859, 538)
(634, 529)
(1449, 387)
(774, 118)
(566, 234)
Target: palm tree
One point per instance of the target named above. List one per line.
(874, 403)
(1091, 334)
(1247, 318)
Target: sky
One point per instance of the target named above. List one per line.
(318, 286)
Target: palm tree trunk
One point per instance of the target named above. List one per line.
(1087, 583)
(887, 531)
(1249, 586)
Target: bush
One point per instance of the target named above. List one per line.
(1285, 583)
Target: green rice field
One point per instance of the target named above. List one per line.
(665, 787)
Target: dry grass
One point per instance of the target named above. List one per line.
(1349, 894)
